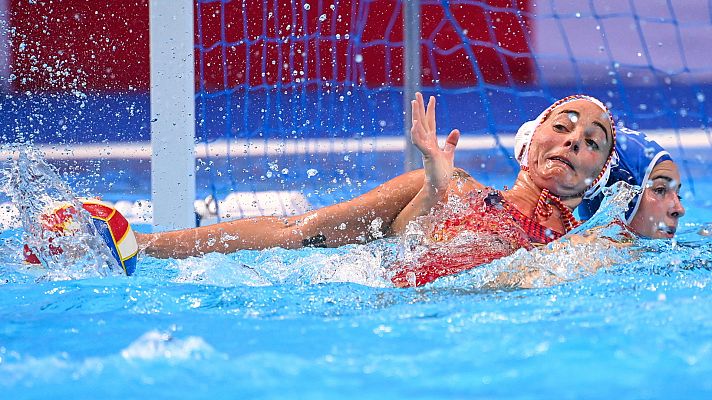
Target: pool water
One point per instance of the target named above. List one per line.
(183, 329)
(324, 323)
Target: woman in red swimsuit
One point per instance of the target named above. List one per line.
(571, 143)
(566, 157)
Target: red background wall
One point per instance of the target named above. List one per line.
(80, 44)
(103, 45)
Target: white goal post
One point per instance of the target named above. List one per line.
(172, 113)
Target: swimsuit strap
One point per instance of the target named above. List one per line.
(543, 207)
(537, 232)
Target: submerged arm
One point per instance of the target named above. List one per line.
(564, 260)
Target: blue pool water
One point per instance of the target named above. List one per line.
(323, 323)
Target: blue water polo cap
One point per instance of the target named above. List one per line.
(637, 156)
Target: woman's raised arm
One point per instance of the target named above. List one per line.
(438, 163)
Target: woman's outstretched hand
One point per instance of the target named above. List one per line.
(438, 163)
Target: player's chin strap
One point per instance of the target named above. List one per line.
(544, 208)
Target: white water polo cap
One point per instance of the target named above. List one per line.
(523, 140)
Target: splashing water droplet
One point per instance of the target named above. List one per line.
(37, 191)
(613, 205)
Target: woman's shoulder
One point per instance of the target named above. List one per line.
(463, 183)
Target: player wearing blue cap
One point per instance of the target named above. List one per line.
(654, 213)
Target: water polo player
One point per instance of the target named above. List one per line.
(643, 162)
(567, 157)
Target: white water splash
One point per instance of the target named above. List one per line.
(580, 253)
(36, 189)
(363, 265)
(613, 206)
(154, 345)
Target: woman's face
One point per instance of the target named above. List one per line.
(569, 149)
(660, 208)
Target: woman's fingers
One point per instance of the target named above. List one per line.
(426, 116)
(438, 162)
(430, 115)
(420, 138)
(419, 133)
(417, 120)
(420, 115)
(451, 141)
(423, 133)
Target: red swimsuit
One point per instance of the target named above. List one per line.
(490, 228)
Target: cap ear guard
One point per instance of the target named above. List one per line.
(636, 202)
(602, 180)
(522, 140)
